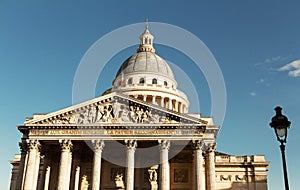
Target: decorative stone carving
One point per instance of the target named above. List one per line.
(84, 183)
(116, 109)
(33, 144)
(64, 120)
(153, 173)
(98, 145)
(211, 148)
(225, 177)
(131, 144)
(164, 144)
(23, 147)
(65, 144)
(153, 177)
(119, 181)
(240, 178)
(95, 114)
(115, 112)
(197, 144)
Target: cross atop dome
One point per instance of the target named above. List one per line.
(147, 23)
(146, 40)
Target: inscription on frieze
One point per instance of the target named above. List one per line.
(111, 132)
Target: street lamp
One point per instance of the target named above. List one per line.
(280, 123)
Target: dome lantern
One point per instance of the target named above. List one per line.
(146, 41)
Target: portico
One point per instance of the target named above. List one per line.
(71, 173)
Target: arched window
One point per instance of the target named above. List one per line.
(165, 83)
(142, 80)
(149, 41)
(154, 81)
(129, 81)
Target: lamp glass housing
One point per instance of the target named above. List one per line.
(281, 132)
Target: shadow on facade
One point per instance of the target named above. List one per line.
(255, 185)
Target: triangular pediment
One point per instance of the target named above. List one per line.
(114, 108)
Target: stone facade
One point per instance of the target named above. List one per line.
(137, 135)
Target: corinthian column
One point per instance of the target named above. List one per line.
(23, 148)
(164, 167)
(64, 166)
(98, 147)
(198, 165)
(211, 172)
(37, 169)
(30, 174)
(131, 146)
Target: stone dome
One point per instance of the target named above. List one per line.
(148, 77)
(146, 62)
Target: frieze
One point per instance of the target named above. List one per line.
(117, 132)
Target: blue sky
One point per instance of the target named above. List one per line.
(256, 44)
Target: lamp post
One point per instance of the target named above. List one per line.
(280, 123)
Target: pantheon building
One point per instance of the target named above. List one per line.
(138, 135)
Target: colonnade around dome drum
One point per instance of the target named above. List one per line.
(156, 94)
(162, 101)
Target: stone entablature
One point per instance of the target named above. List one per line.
(89, 132)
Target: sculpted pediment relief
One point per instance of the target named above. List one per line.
(114, 109)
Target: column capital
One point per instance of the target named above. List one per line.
(23, 147)
(65, 144)
(131, 144)
(98, 145)
(197, 145)
(211, 147)
(164, 144)
(33, 144)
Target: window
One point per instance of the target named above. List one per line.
(129, 81)
(154, 81)
(165, 83)
(149, 41)
(142, 80)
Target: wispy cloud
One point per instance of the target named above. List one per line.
(293, 68)
(252, 94)
(260, 81)
(273, 59)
